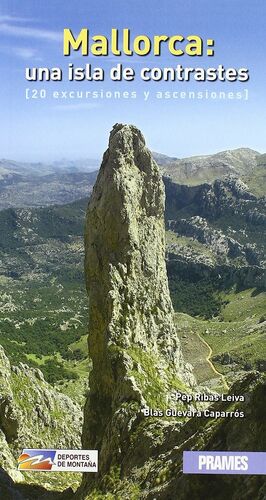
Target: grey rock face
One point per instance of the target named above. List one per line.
(131, 327)
(125, 265)
(220, 229)
(198, 228)
(32, 415)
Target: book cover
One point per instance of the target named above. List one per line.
(132, 250)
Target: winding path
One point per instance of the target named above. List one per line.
(208, 359)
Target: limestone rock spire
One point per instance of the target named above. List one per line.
(131, 326)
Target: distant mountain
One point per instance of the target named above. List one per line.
(245, 163)
(163, 159)
(61, 182)
(41, 169)
(29, 228)
(10, 167)
(81, 165)
(58, 187)
(214, 227)
(40, 184)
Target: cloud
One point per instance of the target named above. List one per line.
(14, 19)
(28, 32)
(25, 52)
(21, 52)
(77, 106)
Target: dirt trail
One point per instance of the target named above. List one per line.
(208, 359)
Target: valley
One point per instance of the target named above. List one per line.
(215, 244)
(215, 235)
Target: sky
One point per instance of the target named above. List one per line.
(47, 129)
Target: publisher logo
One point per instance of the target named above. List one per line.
(58, 460)
(224, 462)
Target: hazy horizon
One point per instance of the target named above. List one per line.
(98, 159)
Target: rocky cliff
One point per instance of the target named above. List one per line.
(132, 338)
(32, 415)
(153, 463)
(215, 236)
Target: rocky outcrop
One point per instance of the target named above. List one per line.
(255, 217)
(161, 477)
(32, 415)
(220, 232)
(165, 470)
(197, 227)
(229, 195)
(132, 337)
(152, 464)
